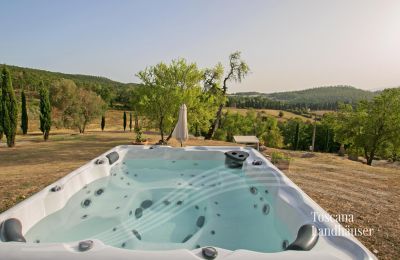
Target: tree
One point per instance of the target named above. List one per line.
(103, 122)
(165, 88)
(371, 125)
(65, 102)
(130, 122)
(281, 114)
(238, 69)
(76, 106)
(124, 124)
(88, 106)
(9, 109)
(45, 112)
(296, 137)
(1, 110)
(24, 114)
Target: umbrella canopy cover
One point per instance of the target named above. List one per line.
(181, 129)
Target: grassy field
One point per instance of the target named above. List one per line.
(342, 186)
(270, 112)
(339, 185)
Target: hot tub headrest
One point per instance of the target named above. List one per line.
(11, 230)
(307, 237)
(112, 157)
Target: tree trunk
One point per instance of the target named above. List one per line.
(46, 135)
(342, 151)
(215, 124)
(170, 135)
(136, 122)
(11, 141)
(370, 158)
(161, 126)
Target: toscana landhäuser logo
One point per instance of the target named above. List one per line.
(347, 220)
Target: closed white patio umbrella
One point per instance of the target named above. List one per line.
(181, 130)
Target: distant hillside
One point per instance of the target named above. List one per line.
(315, 98)
(346, 94)
(30, 78)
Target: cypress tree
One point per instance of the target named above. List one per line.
(45, 112)
(9, 110)
(327, 136)
(297, 136)
(1, 111)
(24, 114)
(124, 121)
(130, 122)
(103, 122)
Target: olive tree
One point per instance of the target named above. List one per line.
(371, 125)
(165, 87)
(76, 107)
(237, 71)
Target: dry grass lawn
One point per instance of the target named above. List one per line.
(339, 185)
(269, 112)
(342, 186)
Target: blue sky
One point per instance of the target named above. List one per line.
(288, 44)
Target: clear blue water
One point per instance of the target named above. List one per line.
(157, 204)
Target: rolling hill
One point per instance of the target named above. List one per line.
(315, 98)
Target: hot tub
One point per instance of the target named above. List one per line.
(159, 202)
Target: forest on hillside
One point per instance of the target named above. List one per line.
(29, 80)
(321, 98)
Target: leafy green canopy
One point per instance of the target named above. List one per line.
(258, 124)
(166, 87)
(75, 107)
(372, 127)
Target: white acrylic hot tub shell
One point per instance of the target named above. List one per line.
(294, 208)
